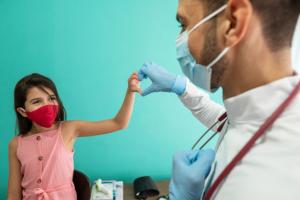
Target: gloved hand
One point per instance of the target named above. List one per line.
(162, 80)
(190, 169)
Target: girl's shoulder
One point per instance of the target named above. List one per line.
(68, 126)
(13, 144)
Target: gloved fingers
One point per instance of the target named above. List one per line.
(142, 75)
(183, 159)
(204, 162)
(206, 156)
(196, 158)
(148, 90)
(144, 71)
(186, 156)
(192, 156)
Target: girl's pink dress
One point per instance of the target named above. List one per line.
(46, 167)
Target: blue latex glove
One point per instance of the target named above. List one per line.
(190, 169)
(162, 80)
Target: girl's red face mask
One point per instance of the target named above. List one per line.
(44, 116)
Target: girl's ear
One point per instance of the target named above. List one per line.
(22, 111)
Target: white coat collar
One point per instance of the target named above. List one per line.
(256, 105)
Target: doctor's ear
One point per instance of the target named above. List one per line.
(237, 18)
(22, 111)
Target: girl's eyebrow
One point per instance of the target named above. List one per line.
(38, 98)
(34, 99)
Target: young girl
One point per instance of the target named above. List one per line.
(41, 156)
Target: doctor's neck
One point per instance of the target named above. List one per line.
(258, 71)
(252, 64)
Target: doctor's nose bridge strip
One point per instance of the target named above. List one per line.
(221, 120)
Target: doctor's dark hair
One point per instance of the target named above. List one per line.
(20, 96)
(278, 18)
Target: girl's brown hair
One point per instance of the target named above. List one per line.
(20, 94)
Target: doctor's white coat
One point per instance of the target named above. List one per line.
(271, 170)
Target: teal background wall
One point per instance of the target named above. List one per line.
(89, 48)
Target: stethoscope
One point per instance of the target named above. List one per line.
(222, 121)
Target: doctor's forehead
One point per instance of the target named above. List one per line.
(190, 9)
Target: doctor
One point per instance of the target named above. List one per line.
(244, 47)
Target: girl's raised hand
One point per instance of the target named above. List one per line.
(134, 83)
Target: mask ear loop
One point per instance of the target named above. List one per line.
(184, 36)
(209, 17)
(220, 56)
(206, 19)
(223, 119)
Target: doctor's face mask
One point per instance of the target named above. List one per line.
(200, 74)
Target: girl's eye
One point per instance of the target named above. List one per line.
(52, 98)
(36, 102)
